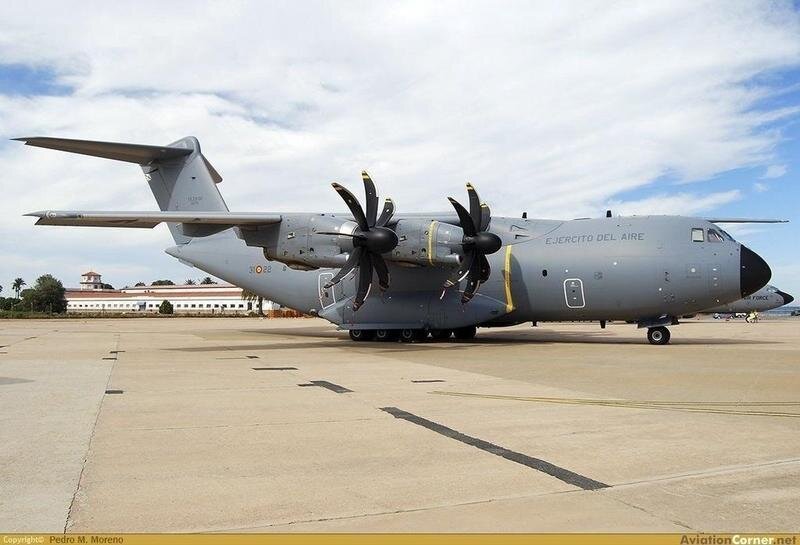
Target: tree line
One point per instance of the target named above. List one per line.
(46, 295)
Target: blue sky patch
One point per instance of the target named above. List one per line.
(22, 79)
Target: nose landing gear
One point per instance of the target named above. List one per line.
(658, 335)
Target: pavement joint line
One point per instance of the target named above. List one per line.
(398, 511)
(274, 368)
(89, 443)
(643, 510)
(538, 464)
(708, 407)
(724, 470)
(256, 424)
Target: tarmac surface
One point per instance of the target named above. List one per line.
(285, 425)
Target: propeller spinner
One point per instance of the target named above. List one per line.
(477, 243)
(370, 239)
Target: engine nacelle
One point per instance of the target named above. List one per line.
(295, 240)
(426, 242)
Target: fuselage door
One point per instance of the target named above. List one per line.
(573, 293)
(326, 295)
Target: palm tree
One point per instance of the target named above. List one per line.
(250, 296)
(17, 285)
(207, 280)
(189, 282)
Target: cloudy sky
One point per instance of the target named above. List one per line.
(559, 109)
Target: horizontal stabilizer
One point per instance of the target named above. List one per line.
(744, 220)
(148, 220)
(131, 153)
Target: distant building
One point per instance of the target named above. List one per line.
(195, 299)
(91, 281)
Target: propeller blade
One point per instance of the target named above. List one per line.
(486, 215)
(353, 205)
(473, 281)
(382, 270)
(364, 279)
(338, 234)
(474, 207)
(462, 271)
(372, 198)
(485, 269)
(463, 216)
(349, 265)
(386, 214)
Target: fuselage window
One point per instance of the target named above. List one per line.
(713, 236)
(697, 235)
(544, 272)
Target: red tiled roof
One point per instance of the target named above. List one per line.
(86, 294)
(90, 273)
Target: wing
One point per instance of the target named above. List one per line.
(744, 220)
(148, 220)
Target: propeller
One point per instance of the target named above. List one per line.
(370, 239)
(477, 243)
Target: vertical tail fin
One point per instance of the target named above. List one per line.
(180, 177)
(185, 184)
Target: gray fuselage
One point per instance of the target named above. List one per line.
(622, 268)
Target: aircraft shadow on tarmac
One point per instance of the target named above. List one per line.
(335, 339)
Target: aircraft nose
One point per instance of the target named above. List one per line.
(786, 297)
(754, 272)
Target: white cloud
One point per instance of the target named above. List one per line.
(774, 171)
(553, 109)
(760, 187)
(679, 203)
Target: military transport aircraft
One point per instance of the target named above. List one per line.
(767, 298)
(429, 266)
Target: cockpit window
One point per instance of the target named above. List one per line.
(713, 236)
(697, 235)
(726, 235)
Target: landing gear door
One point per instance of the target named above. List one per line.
(573, 293)
(326, 295)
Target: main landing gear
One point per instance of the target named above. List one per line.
(658, 335)
(413, 335)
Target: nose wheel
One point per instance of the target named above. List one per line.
(658, 335)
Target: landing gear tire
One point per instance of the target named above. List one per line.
(385, 335)
(362, 335)
(465, 333)
(441, 334)
(412, 335)
(658, 335)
